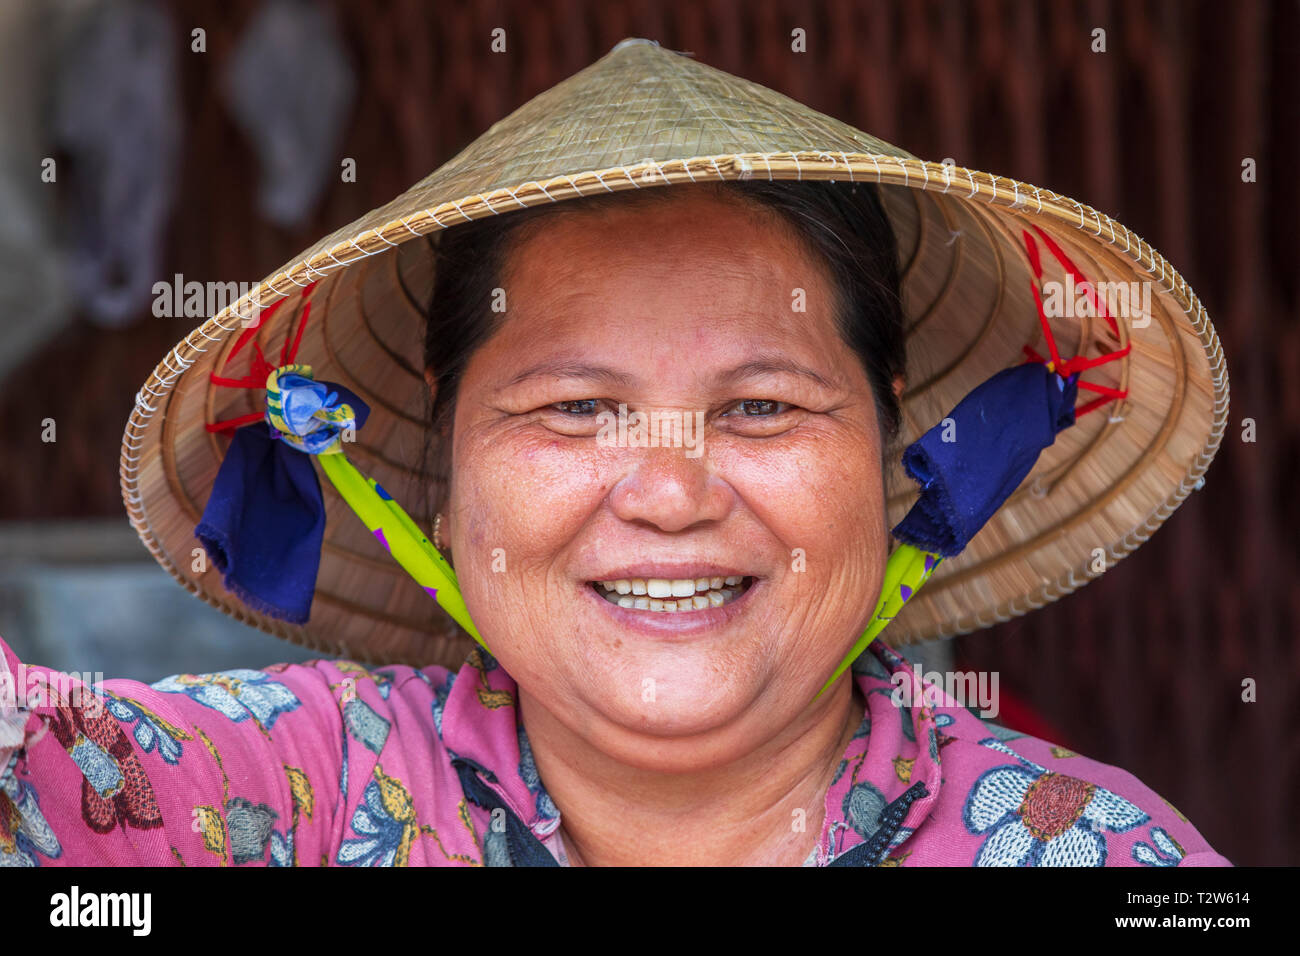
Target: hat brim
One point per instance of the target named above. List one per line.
(1094, 496)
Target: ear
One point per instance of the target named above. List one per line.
(899, 384)
(432, 381)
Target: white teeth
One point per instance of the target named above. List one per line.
(666, 587)
(659, 588)
(670, 596)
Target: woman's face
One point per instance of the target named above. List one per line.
(686, 312)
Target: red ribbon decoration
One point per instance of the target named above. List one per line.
(259, 367)
(1078, 363)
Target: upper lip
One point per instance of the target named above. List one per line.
(674, 570)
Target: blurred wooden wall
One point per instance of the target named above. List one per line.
(1142, 668)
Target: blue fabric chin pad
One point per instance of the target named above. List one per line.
(264, 522)
(993, 438)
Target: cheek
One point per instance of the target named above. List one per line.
(819, 492)
(526, 493)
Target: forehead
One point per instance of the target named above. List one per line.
(679, 245)
(671, 293)
(664, 228)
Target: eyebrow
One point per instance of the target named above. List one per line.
(764, 365)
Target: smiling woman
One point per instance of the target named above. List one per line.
(677, 303)
(660, 403)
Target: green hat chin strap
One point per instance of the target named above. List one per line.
(402, 537)
(907, 569)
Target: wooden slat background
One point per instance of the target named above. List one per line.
(1142, 668)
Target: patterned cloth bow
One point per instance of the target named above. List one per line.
(307, 413)
(264, 522)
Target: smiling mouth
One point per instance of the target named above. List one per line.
(672, 596)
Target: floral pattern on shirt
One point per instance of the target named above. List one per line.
(24, 833)
(1035, 817)
(330, 763)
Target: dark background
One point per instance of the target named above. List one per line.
(1142, 668)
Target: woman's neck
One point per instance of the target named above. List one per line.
(766, 808)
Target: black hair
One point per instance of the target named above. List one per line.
(841, 224)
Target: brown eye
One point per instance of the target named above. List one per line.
(580, 407)
(759, 407)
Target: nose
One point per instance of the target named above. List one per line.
(671, 491)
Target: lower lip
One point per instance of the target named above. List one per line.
(660, 623)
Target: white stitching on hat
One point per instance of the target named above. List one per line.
(947, 177)
(625, 173)
(511, 193)
(382, 238)
(876, 162)
(797, 168)
(686, 168)
(974, 187)
(301, 285)
(360, 250)
(716, 167)
(462, 211)
(768, 162)
(1079, 206)
(847, 164)
(903, 163)
(408, 228)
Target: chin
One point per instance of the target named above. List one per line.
(676, 698)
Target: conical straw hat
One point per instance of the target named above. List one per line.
(647, 117)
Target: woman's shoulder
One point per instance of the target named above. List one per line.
(284, 764)
(1034, 802)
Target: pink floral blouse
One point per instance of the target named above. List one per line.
(332, 763)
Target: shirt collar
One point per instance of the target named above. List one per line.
(895, 748)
